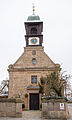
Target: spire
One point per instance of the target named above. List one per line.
(33, 9)
(33, 17)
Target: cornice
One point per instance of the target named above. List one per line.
(33, 69)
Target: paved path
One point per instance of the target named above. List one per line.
(29, 115)
(32, 115)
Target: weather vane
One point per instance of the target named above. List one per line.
(33, 9)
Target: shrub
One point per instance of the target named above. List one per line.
(26, 95)
(40, 105)
(23, 105)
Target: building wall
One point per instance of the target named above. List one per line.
(20, 81)
(21, 71)
(42, 60)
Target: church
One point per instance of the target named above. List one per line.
(25, 73)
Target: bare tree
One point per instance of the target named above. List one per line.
(68, 85)
(59, 82)
(4, 86)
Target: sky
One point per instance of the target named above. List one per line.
(57, 30)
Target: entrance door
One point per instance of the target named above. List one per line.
(34, 101)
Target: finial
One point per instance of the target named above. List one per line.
(33, 9)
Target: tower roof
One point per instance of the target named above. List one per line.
(33, 18)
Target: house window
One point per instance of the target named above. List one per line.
(34, 61)
(33, 79)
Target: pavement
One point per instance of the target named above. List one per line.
(27, 115)
(35, 115)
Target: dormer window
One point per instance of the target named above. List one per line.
(33, 31)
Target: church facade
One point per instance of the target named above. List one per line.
(25, 73)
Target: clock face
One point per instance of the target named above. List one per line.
(33, 40)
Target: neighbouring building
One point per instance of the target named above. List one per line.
(34, 63)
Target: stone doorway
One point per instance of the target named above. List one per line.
(34, 101)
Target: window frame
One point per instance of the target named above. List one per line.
(33, 61)
(34, 79)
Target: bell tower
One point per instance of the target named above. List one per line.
(34, 29)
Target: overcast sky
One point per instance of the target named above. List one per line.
(57, 30)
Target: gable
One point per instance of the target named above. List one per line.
(42, 59)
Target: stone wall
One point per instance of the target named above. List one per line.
(52, 109)
(10, 107)
(70, 109)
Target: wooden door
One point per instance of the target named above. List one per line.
(34, 101)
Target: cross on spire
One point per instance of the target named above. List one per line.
(33, 9)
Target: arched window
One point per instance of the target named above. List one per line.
(33, 31)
